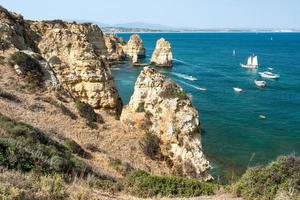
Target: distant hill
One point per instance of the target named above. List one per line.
(149, 27)
(141, 25)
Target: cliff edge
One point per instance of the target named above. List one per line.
(167, 112)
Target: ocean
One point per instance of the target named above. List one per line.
(234, 137)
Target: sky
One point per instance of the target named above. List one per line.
(276, 14)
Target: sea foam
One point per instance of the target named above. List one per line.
(193, 86)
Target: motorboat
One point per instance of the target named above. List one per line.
(252, 63)
(269, 75)
(236, 89)
(260, 83)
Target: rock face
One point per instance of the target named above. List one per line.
(13, 32)
(162, 55)
(173, 119)
(75, 52)
(115, 47)
(135, 47)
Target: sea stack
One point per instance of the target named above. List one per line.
(114, 47)
(160, 106)
(162, 55)
(135, 47)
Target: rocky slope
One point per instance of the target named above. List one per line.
(77, 55)
(161, 107)
(162, 55)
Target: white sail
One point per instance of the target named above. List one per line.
(249, 62)
(255, 61)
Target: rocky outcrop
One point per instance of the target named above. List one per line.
(172, 117)
(13, 32)
(115, 47)
(76, 53)
(134, 47)
(162, 55)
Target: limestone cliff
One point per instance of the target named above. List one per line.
(75, 52)
(172, 117)
(162, 55)
(115, 47)
(134, 47)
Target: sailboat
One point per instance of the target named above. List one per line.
(252, 63)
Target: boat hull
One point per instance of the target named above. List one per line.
(269, 76)
(260, 83)
(249, 66)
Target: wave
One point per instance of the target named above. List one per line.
(184, 76)
(193, 86)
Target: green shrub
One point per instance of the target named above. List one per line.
(282, 175)
(72, 146)
(87, 111)
(54, 60)
(144, 185)
(26, 148)
(150, 145)
(171, 90)
(141, 107)
(123, 168)
(29, 67)
(9, 96)
(4, 45)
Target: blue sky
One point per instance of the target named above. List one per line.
(176, 13)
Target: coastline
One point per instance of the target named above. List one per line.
(189, 32)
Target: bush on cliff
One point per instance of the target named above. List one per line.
(87, 111)
(29, 67)
(25, 148)
(150, 146)
(262, 183)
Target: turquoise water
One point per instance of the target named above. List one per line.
(232, 132)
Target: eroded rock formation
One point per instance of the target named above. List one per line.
(75, 52)
(162, 55)
(172, 117)
(115, 47)
(134, 47)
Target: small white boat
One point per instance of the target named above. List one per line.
(236, 89)
(262, 117)
(260, 83)
(269, 75)
(252, 63)
(270, 68)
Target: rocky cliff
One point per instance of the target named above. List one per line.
(135, 47)
(170, 115)
(115, 47)
(162, 55)
(75, 52)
